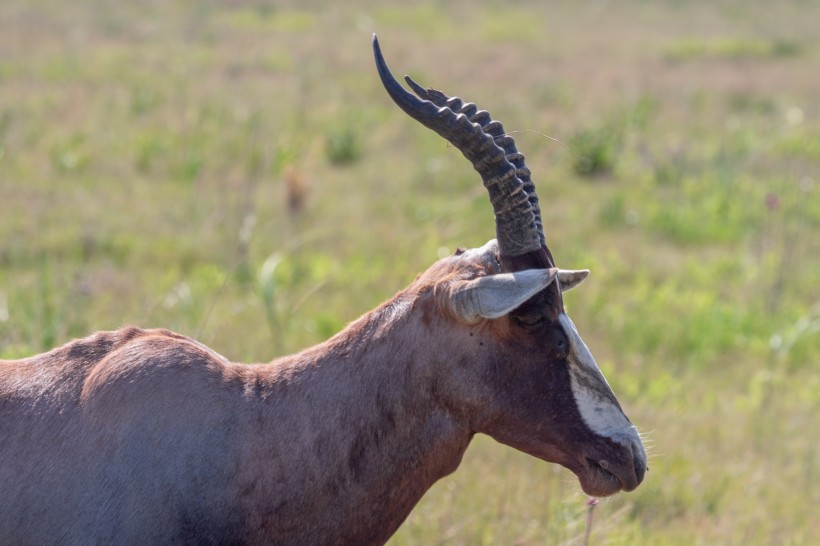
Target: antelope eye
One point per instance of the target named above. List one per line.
(528, 321)
(561, 343)
(558, 341)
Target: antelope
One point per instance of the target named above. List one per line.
(149, 437)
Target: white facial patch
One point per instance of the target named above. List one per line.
(596, 402)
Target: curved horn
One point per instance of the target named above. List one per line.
(515, 225)
(496, 130)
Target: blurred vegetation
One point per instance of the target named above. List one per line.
(234, 171)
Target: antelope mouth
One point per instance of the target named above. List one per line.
(604, 477)
(598, 481)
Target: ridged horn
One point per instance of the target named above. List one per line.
(496, 130)
(515, 222)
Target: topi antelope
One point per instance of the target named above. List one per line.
(148, 437)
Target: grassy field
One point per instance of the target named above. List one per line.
(235, 172)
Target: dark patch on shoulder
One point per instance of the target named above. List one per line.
(387, 415)
(357, 455)
(201, 528)
(372, 436)
(249, 490)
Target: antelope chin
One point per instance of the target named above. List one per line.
(601, 477)
(599, 482)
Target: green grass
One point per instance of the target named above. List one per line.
(149, 155)
(733, 49)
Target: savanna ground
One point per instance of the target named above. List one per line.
(234, 171)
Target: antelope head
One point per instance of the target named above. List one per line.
(529, 380)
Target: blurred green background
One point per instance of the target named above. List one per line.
(234, 171)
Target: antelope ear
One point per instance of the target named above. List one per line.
(494, 296)
(568, 280)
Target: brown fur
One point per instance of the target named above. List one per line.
(146, 436)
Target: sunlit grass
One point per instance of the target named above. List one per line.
(734, 49)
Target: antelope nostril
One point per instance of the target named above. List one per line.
(639, 463)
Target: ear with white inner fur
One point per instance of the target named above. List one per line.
(494, 296)
(568, 280)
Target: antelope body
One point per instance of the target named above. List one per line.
(148, 437)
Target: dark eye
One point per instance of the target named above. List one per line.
(529, 321)
(560, 341)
